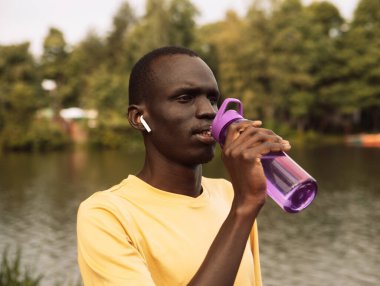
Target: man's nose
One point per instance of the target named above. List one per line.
(205, 108)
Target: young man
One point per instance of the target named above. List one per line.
(168, 225)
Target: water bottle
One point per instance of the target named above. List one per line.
(290, 186)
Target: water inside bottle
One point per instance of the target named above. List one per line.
(287, 183)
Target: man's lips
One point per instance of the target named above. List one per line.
(204, 130)
(204, 134)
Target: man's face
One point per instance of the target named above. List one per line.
(181, 108)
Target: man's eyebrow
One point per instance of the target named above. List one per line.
(193, 90)
(187, 89)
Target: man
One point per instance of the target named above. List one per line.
(168, 225)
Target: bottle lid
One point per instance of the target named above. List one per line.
(225, 117)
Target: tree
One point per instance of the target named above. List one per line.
(54, 64)
(19, 94)
(54, 55)
(349, 88)
(292, 45)
(181, 23)
(85, 59)
(166, 22)
(255, 61)
(116, 42)
(222, 38)
(364, 41)
(326, 30)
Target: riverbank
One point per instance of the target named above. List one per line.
(46, 137)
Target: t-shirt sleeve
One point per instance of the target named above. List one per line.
(254, 239)
(106, 253)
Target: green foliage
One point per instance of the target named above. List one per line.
(106, 137)
(359, 80)
(106, 91)
(295, 67)
(18, 83)
(12, 274)
(166, 22)
(367, 15)
(112, 132)
(117, 39)
(45, 135)
(224, 36)
(41, 135)
(20, 95)
(181, 22)
(54, 55)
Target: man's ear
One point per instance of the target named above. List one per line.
(134, 117)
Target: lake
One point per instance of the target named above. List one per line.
(335, 241)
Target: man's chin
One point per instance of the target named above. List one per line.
(208, 157)
(202, 156)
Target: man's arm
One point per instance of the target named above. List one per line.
(245, 144)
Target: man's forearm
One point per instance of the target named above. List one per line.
(223, 259)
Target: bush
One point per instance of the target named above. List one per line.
(114, 132)
(115, 138)
(40, 135)
(47, 135)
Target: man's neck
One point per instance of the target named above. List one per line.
(171, 177)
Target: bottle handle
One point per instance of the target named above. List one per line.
(227, 101)
(225, 117)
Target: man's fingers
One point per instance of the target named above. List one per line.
(257, 123)
(245, 136)
(249, 134)
(235, 129)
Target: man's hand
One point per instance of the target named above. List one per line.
(246, 143)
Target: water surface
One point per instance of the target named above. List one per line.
(333, 242)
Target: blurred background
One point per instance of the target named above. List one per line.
(308, 69)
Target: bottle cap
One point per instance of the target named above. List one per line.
(225, 117)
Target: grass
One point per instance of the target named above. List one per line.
(13, 274)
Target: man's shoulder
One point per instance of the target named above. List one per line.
(106, 197)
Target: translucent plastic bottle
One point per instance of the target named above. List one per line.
(290, 186)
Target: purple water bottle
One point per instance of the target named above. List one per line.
(291, 187)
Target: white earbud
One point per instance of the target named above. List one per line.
(146, 126)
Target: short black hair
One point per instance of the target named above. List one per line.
(142, 73)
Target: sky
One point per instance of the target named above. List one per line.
(29, 20)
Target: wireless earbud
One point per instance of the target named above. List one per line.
(146, 126)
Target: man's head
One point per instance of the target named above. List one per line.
(177, 94)
(143, 75)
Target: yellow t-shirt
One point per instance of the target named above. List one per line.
(135, 234)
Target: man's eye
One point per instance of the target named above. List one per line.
(213, 99)
(185, 98)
